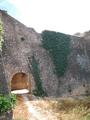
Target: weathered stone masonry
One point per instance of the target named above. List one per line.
(22, 42)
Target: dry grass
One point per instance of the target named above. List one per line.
(20, 112)
(67, 109)
(63, 108)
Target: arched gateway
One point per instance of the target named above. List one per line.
(20, 81)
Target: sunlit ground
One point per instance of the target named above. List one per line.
(20, 112)
(52, 109)
(23, 91)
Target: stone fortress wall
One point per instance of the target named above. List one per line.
(21, 42)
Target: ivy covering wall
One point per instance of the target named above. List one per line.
(58, 45)
(36, 74)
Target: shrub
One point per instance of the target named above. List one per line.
(7, 102)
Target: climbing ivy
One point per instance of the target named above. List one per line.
(1, 34)
(36, 74)
(58, 46)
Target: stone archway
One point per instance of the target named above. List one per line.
(20, 81)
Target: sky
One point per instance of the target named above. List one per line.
(66, 16)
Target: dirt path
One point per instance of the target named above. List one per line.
(37, 112)
(34, 112)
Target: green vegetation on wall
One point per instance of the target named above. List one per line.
(1, 34)
(36, 74)
(58, 46)
(3, 82)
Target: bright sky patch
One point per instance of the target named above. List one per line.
(68, 16)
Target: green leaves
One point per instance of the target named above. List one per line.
(7, 102)
(1, 34)
(58, 46)
(36, 74)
